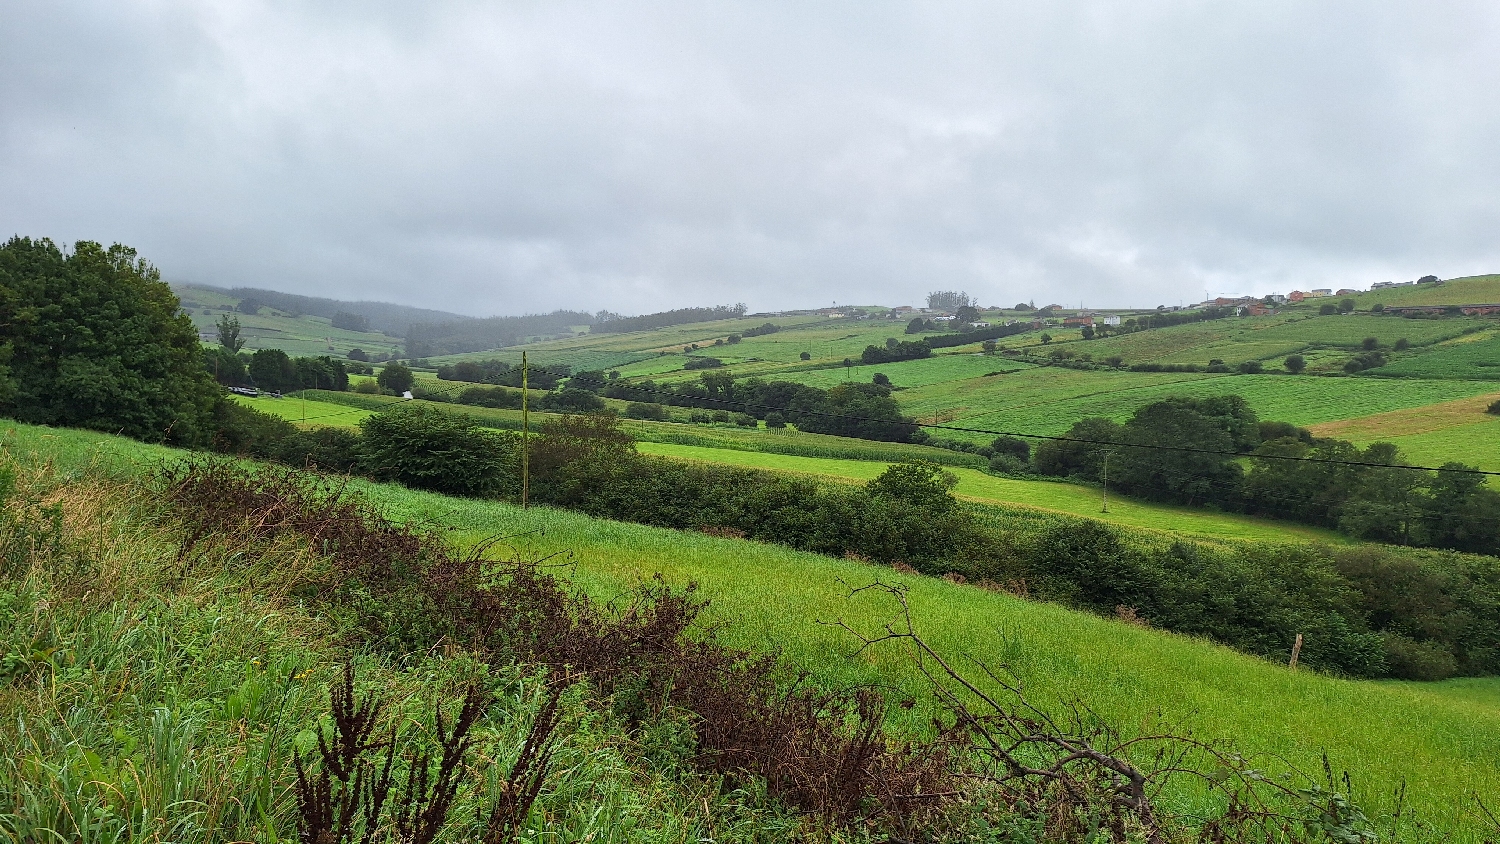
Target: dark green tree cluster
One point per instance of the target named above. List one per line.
(1194, 451)
(895, 351)
(761, 330)
(681, 316)
(502, 374)
(95, 339)
(865, 411)
(350, 321)
(273, 370)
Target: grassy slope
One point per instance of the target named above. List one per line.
(1432, 435)
(1475, 356)
(1054, 497)
(1470, 290)
(1047, 400)
(271, 329)
(1442, 739)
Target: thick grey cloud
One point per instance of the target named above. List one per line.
(500, 158)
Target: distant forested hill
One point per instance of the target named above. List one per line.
(383, 316)
(476, 335)
(682, 316)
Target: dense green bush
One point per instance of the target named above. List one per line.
(428, 449)
(646, 410)
(396, 378)
(863, 411)
(497, 397)
(572, 400)
(225, 366)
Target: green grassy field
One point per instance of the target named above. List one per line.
(1442, 740)
(1479, 360)
(330, 410)
(304, 335)
(1272, 338)
(308, 412)
(1470, 290)
(1047, 400)
(1431, 435)
(1045, 496)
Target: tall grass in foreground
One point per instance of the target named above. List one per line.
(147, 695)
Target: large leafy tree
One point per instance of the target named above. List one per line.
(95, 339)
(273, 370)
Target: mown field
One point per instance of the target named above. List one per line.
(1044, 496)
(1441, 740)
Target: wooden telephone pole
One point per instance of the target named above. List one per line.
(525, 439)
(1104, 481)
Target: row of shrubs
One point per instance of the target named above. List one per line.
(1364, 612)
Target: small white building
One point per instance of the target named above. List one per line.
(1111, 319)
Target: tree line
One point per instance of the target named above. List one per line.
(607, 323)
(1216, 452)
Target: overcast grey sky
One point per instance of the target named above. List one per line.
(498, 158)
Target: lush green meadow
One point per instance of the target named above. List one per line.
(1040, 495)
(1047, 400)
(1441, 740)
